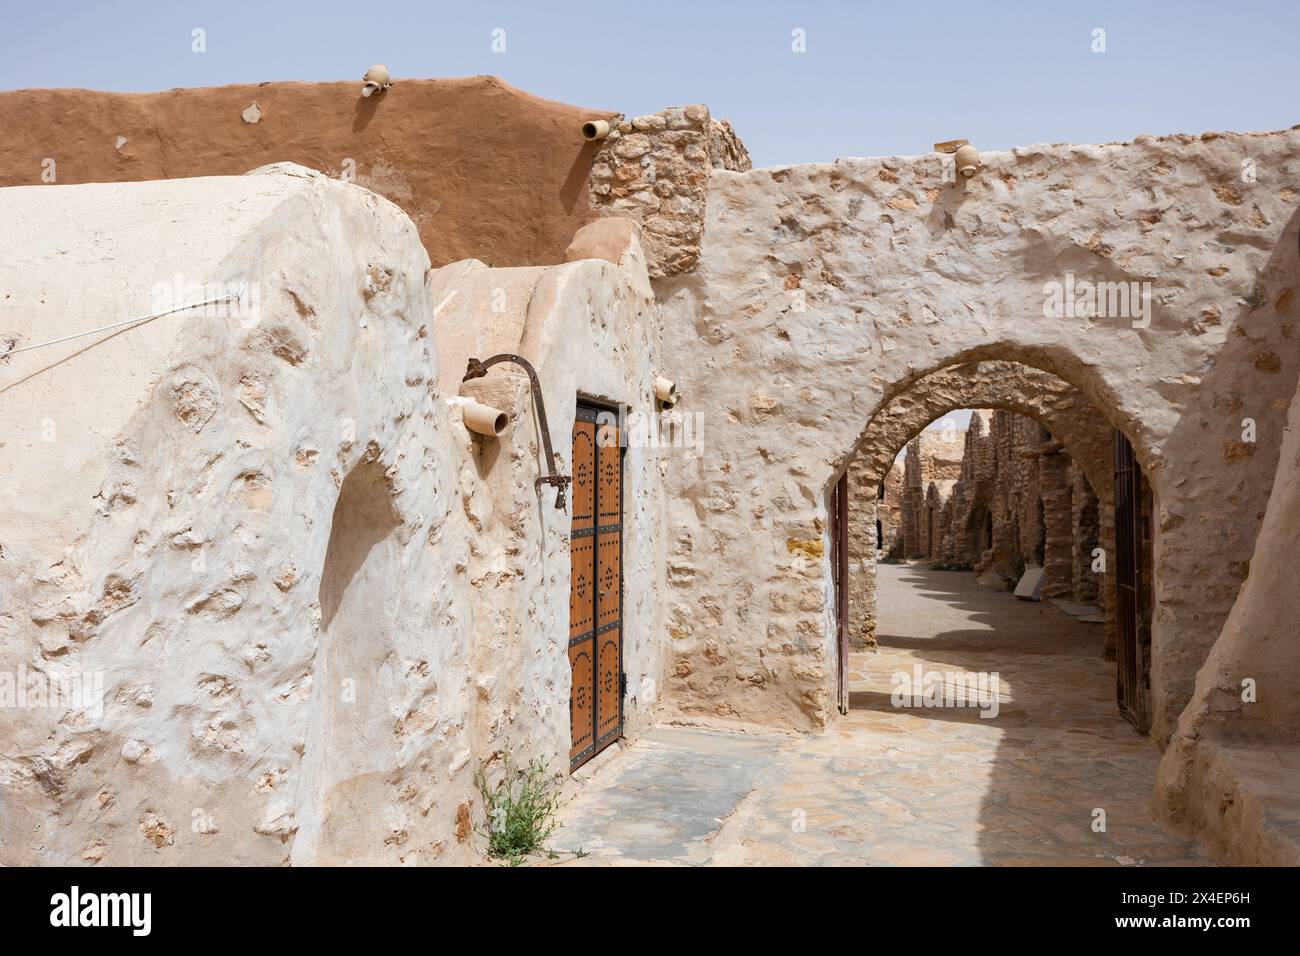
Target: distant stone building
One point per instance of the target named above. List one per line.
(999, 497)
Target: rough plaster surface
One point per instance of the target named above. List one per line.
(587, 327)
(267, 659)
(823, 291)
(1232, 770)
(455, 154)
(318, 605)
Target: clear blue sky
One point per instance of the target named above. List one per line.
(877, 78)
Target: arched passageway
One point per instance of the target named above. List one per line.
(907, 785)
(806, 293)
(1056, 405)
(1060, 526)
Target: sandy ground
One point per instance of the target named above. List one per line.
(905, 786)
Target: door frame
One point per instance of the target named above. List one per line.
(596, 408)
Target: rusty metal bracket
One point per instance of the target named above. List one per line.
(477, 369)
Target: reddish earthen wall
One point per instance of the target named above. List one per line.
(485, 170)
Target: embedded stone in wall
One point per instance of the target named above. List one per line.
(654, 169)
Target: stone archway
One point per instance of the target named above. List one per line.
(1055, 404)
(823, 291)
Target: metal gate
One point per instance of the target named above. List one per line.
(596, 586)
(1133, 632)
(840, 578)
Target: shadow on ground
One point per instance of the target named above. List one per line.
(912, 785)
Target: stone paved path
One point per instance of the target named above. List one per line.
(890, 786)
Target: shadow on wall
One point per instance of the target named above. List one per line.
(1253, 376)
(363, 517)
(350, 735)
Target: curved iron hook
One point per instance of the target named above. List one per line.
(478, 369)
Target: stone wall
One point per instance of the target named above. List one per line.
(1229, 775)
(1029, 494)
(1014, 467)
(483, 169)
(655, 170)
(889, 509)
(802, 318)
(863, 513)
(314, 603)
(1085, 530)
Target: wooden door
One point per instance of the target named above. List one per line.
(1132, 626)
(596, 587)
(840, 579)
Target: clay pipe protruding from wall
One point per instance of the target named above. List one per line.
(376, 80)
(477, 369)
(967, 159)
(484, 419)
(595, 129)
(666, 392)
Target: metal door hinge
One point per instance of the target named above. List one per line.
(622, 684)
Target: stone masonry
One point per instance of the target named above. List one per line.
(655, 170)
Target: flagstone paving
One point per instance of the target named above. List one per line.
(904, 786)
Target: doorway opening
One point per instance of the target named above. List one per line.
(596, 584)
(1016, 493)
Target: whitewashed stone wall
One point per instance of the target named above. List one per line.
(315, 605)
(823, 291)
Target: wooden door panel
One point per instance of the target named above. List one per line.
(582, 700)
(596, 586)
(584, 475)
(609, 699)
(582, 555)
(609, 579)
(610, 477)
